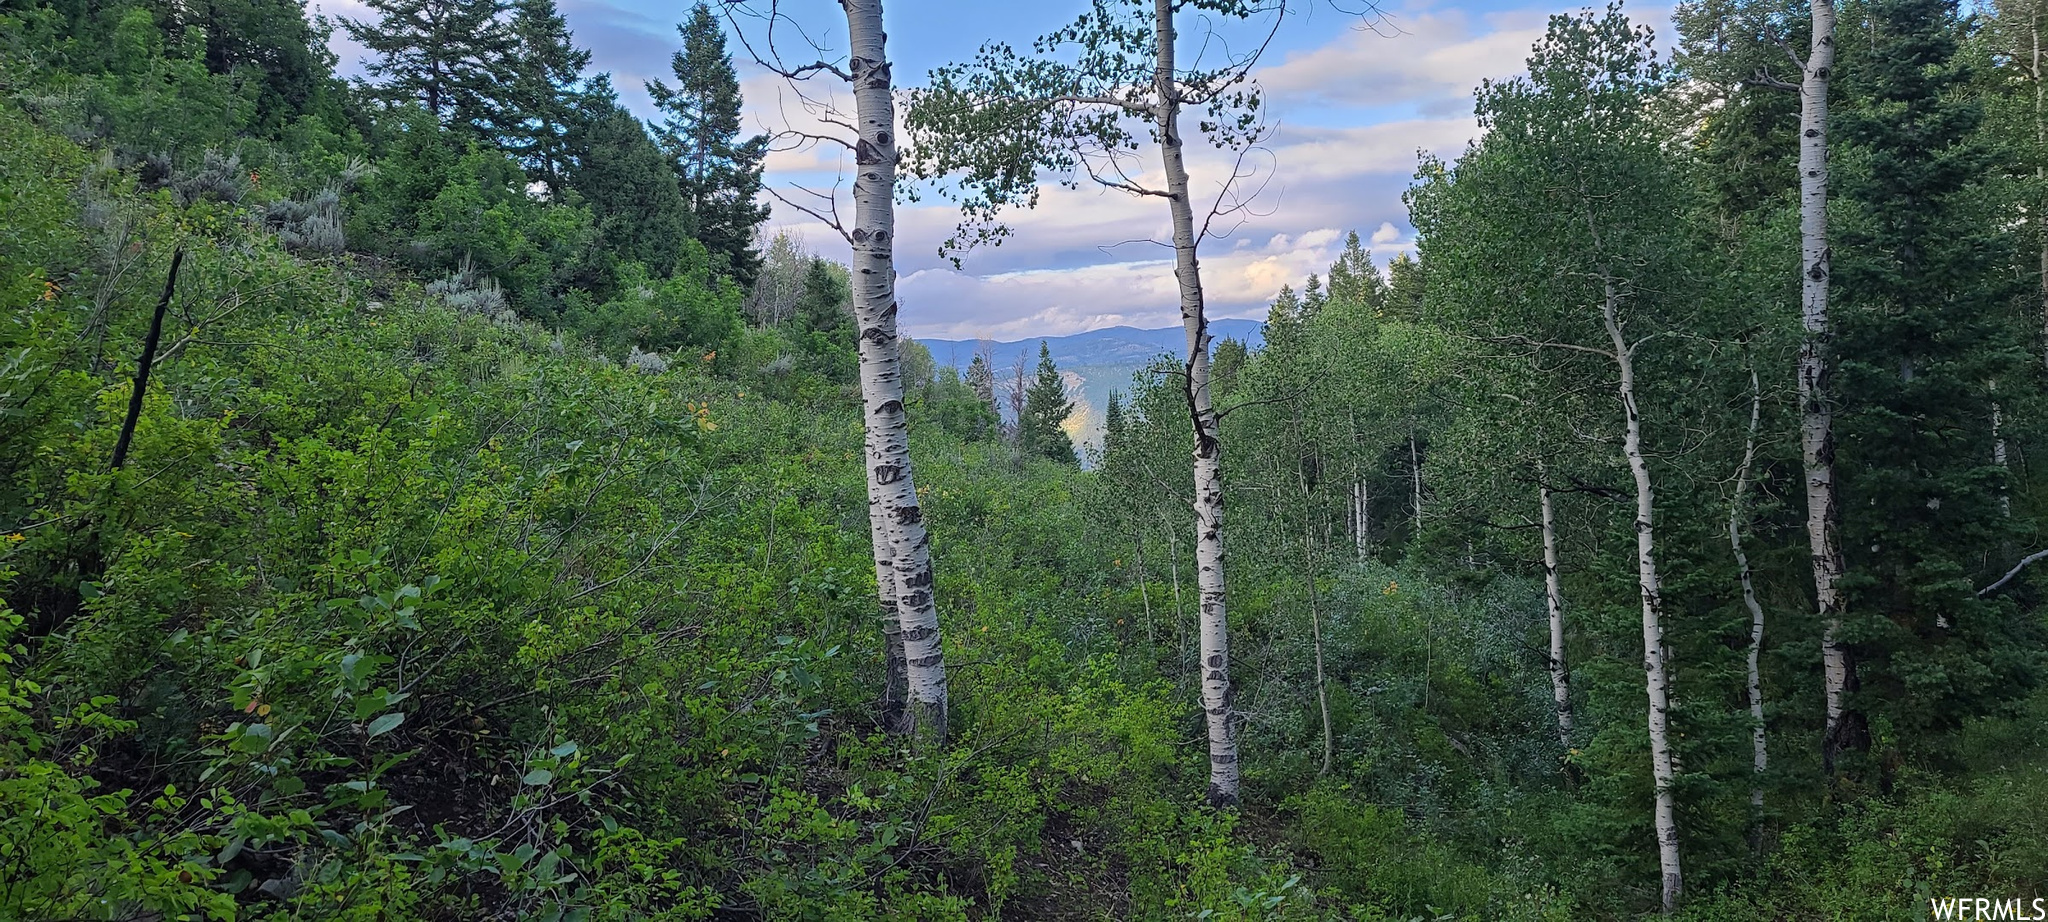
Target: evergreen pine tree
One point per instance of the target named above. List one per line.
(1404, 288)
(718, 172)
(822, 308)
(1284, 318)
(630, 191)
(982, 379)
(824, 311)
(1924, 330)
(1739, 95)
(1046, 407)
(545, 95)
(270, 41)
(1354, 279)
(1226, 368)
(455, 57)
(417, 158)
(1113, 424)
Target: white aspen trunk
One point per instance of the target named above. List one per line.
(1817, 424)
(1415, 470)
(1361, 520)
(1315, 623)
(1998, 453)
(1356, 549)
(2040, 151)
(1654, 655)
(1208, 461)
(1365, 514)
(1560, 673)
(893, 491)
(1759, 754)
(1315, 627)
(895, 680)
(1145, 588)
(1315, 612)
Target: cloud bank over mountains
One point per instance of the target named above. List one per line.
(1350, 108)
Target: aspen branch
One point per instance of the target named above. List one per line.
(814, 67)
(2024, 563)
(1797, 61)
(1227, 188)
(1763, 78)
(1133, 108)
(1284, 398)
(1546, 344)
(805, 139)
(829, 220)
(772, 60)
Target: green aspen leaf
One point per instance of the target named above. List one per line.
(254, 738)
(386, 723)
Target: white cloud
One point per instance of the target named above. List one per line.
(944, 304)
(1419, 54)
(1088, 258)
(1349, 115)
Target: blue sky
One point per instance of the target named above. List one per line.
(1351, 106)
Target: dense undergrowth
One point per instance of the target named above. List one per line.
(396, 611)
(404, 611)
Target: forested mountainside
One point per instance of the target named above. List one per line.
(426, 498)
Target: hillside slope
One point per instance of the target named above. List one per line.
(397, 611)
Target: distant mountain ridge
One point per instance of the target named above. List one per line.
(1095, 362)
(1107, 346)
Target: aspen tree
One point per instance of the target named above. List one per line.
(1567, 202)
(1000, 122)
(1817, 421)
(1759, 754)
(1553, 593)
(903, 574)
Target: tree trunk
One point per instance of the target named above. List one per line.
(1315, 612)
(1661, 763)
(1415, 476)
(1315, 628)
(1216, 695)
(1817, 424)
(2040, 153)
(1560, 673)
(892, 491)
(895, 677)
(1759, 756)
(1145, 588)
(1998, 454)
(146, 361)
(1361, 518)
